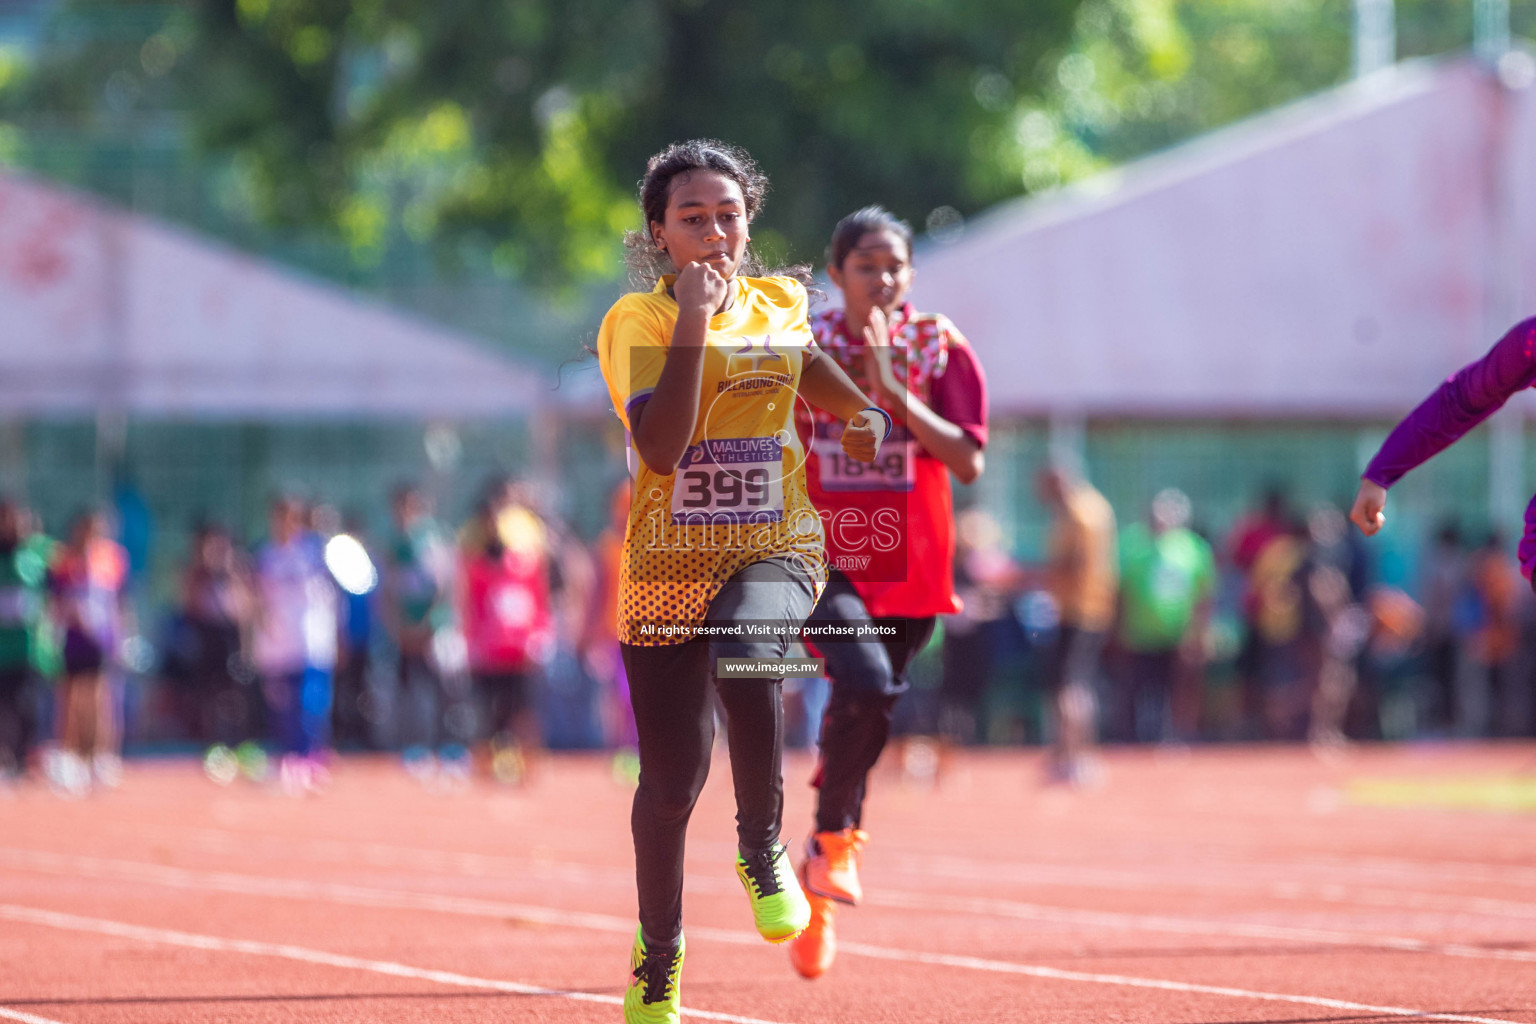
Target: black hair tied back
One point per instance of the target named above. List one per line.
(863, 222)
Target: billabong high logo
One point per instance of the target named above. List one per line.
(750, 357)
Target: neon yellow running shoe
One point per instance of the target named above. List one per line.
(654, 994)
(779, 908)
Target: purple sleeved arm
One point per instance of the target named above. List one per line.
(1468, 396)
(1527, 550)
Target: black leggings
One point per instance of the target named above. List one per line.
(867, 677)
(16, 725)
(674, 717)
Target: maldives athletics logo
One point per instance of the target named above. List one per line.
(758, 372)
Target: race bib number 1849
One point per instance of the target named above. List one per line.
(892, 469)
(730, 480)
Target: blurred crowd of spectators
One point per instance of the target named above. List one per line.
(471, 650)
(460, 649)
(61, 620)
(1276, 631)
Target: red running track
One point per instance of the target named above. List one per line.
(1235, 885)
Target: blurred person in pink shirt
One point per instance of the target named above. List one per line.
(508, 622)
(86, 579)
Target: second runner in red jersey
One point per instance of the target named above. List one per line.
(890, 525)
(890, 534)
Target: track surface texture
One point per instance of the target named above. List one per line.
(1231, 885)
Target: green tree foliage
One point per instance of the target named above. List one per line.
(520, 126)
(1141, 75)
(510, 133)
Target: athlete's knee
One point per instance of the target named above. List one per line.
(768, 648)
(854, 703)
(669, 800)
(861, 669)
(852, 715)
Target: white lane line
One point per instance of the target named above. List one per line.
(1188, 926)
(1502, 875)
(190, 940)
(1437, 903)
(1032, 971)
(25, 1018)
(331, 892)
(352, 853)
(1032, 875)
(1217, 875)
(1037, 876)
(100, 926)
(396, 899)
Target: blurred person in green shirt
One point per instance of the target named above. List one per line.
(1167, 579)
(417, 603)
(23, 654)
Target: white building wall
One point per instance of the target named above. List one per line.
(1331, 259)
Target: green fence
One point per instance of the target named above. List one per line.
(1225, 467)
(184, 471)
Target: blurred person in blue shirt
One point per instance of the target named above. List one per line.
(294, 642)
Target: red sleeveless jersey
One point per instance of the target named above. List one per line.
(890, 526)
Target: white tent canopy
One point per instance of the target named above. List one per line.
(1336, 258)
(102, 310)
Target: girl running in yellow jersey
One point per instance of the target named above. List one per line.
(723, 551)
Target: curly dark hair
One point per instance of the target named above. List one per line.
(647, 262)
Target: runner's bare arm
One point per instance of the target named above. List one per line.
(824, 384)
(940, 438)
(945, 441)
(663, 425)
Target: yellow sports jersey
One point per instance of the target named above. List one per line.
(738, 495)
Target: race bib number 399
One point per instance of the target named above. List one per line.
(892, 470)
(730, 480)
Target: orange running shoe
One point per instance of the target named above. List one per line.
(814, 949)
(833, 867)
